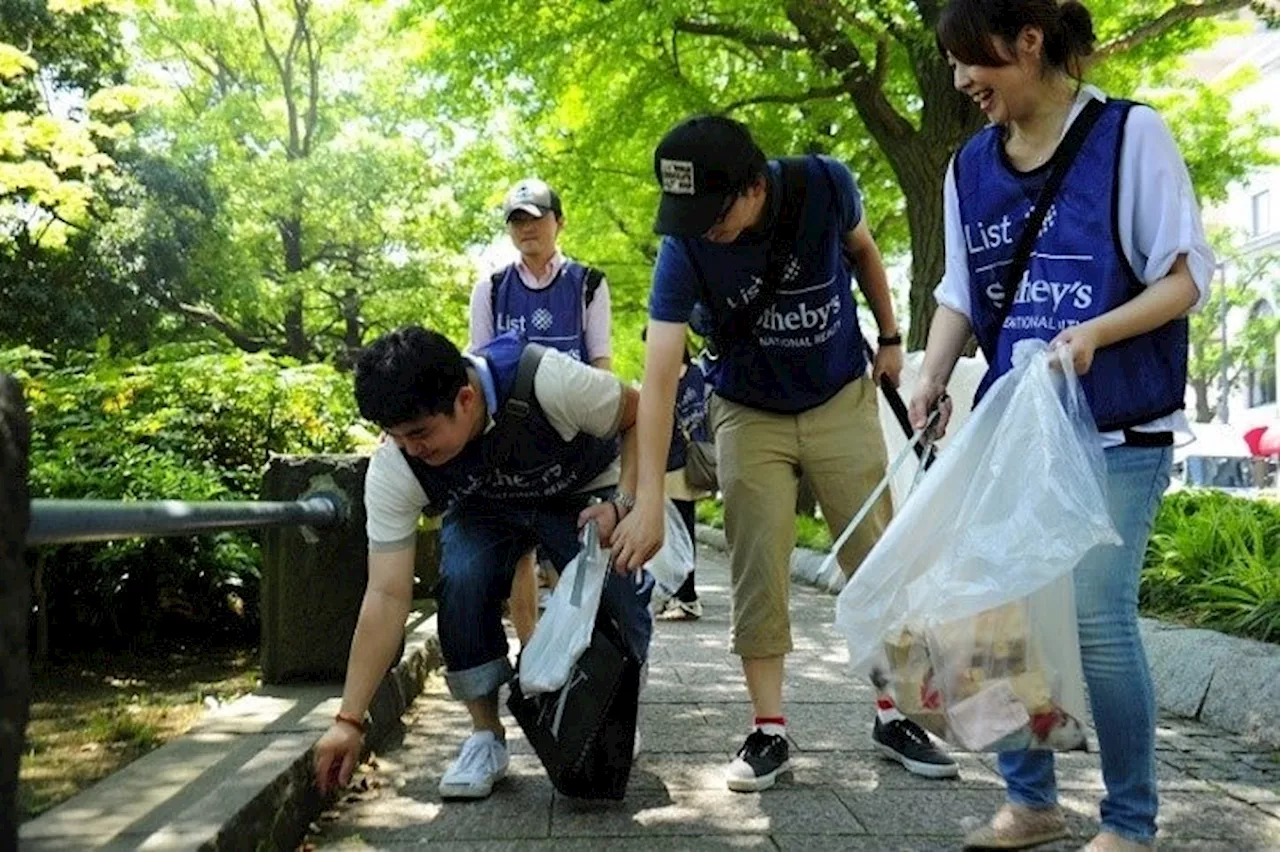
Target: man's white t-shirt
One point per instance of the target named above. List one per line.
(575, 398)
(1158, 221)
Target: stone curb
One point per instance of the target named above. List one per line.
(242, 779)
(1224, 681)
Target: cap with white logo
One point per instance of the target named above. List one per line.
(531, 196)
(699, 164)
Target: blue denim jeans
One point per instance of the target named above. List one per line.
(1115, 666)
(480, 544)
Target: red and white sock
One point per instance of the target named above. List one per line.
(774, 726)
(886, 710)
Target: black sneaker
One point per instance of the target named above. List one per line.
(759, 762)
(906, 742)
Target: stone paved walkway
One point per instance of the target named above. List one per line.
(1218, 792)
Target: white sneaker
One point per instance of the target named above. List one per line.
(482, 762)
(678, 610)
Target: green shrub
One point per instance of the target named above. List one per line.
(1214, 561)
(180, 425)
(810, 532)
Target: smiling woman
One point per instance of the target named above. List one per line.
(1070, 218)
(998, 51)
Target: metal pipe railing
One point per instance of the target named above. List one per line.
(74, 521)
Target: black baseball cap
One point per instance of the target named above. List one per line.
(699, 164)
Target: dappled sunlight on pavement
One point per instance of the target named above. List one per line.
(1218, 792)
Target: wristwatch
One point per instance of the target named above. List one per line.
(624, 500)
(890, 340)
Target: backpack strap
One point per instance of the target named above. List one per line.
(592, 283)
(495, 281)
(515, 411)
(740, 324)
(794, 183)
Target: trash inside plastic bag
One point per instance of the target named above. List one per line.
(671, 565)
(966, 605)
(565, 628)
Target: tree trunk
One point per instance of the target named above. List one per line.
(917, 147)
(1204, 411)
(296, 344)
(353, 336)
(15, 602)
(295, 335)
(925, 218)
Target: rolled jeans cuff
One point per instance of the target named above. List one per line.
(479, 681)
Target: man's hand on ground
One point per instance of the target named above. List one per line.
(336, 754)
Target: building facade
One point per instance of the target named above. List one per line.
(1251, 214)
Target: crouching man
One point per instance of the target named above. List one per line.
(508, 477)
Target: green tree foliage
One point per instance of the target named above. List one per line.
(335, 218)
(588, 89)
(1249, 347)
(176, 425)
(115, 281)
(63, 117)
(58, 111)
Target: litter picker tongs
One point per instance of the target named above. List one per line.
(921, 442)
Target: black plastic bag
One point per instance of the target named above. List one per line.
(584, 733)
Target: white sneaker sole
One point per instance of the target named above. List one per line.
(916, 767)
(471, 791)
(762, 782)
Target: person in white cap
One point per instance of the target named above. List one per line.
(547, 297)
(551, 300)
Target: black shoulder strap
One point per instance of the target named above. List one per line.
(1060, 165)
(592, 283)
(795, 181)
(510, 420)
(793, 186)
(495, 282)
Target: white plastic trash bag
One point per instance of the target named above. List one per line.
(966, 605)
(671, 565)
(565, 628)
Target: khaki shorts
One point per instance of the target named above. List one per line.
(760, 455)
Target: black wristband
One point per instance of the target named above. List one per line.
(617, 513)
(891, 340)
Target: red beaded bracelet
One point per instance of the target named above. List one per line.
(351, 720)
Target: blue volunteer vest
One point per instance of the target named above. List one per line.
(690, 416)
(554, 316)
(1077, 271)
(807, 344)
(542, 464)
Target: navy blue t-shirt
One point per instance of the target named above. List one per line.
(807, 344)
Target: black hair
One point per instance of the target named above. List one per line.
(967, 29)
(756, 164)
(757, 168)
(408, 373)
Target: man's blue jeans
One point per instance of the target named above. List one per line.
(1115, 665)
(481, 542)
